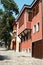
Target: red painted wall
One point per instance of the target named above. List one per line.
(38, 18)
(26, 45)
(27, 24)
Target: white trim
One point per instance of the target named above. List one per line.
(34, 29)
(37, 27)
(13, 40)
(14, 31)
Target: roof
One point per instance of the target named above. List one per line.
(25, 6)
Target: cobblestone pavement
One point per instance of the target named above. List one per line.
(15, 58)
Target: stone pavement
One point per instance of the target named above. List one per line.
(9, 57)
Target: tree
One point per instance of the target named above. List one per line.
(1, 12)
(1, 26)
(7, 19)
(10, 6)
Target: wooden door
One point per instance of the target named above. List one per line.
(37, 49)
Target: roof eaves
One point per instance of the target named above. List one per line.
(25, 6)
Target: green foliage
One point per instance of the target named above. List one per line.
(10, 5)
(1, 12)
(7, 19)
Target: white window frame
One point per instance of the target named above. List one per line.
(36, 29)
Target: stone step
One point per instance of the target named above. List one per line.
(9, 57)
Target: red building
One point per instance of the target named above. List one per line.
(30, 28)
(13, 41)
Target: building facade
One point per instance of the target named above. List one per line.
(30, 29)
(13, 41)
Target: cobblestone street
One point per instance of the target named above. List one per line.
(9, 57)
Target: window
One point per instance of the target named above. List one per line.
(34, 28)
(37, 8)
(30, 16)
(34, 11)
(37, 27)
(26, 37)
(22, 38)
(29, 35)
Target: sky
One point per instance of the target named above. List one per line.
(20, 3)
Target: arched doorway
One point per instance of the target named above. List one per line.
(19, 47)
(14, 45)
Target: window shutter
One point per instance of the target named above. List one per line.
(36, 27)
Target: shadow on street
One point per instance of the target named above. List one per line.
(3, 57)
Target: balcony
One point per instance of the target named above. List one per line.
(25, 35)
(26, 25)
